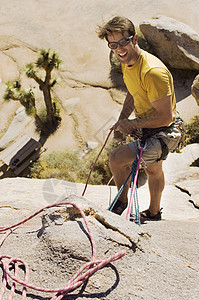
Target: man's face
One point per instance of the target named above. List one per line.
(126, 54)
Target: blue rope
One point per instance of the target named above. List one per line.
(119, 193)
(136, 204)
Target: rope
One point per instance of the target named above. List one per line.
(96, 161)
(119, 192)
(133, 184)
(134, 173)
(77, 280)
(130, 203)
(137, 210)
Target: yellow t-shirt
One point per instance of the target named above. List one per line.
(148, 80)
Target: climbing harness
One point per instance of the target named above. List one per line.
(78, 279)
(149, 132)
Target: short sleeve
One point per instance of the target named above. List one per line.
(157, 82)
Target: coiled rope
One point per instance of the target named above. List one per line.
(77, 280)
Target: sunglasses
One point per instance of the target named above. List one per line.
(123, 42)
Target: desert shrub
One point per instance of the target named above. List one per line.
(115, 63)
(60, 165)
(69, 165)
(42, 113)
(192, 131)
(192, 135)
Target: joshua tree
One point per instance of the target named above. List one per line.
(26, 98)
(48, 60)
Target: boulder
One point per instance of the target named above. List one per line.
(178, 166)
(174, 42)
(56, 248)
(195, 89)
(19, 122)
(91, 145)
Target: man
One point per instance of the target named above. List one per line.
(151, 96)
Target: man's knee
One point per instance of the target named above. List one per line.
(121, 156)
(154, 169)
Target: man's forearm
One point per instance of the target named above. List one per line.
(128, 107)
(152, 121)
(161, 116)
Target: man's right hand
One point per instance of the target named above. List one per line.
(119, 136)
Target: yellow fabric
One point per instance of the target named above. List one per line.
(148, 80)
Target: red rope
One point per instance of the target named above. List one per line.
(76, 280)
(95, 162)
(130, 203)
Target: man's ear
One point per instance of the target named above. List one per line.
(135, 39)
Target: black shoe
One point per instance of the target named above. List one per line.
(146, 215)
(119, 207)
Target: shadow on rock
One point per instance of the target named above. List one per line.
(99, 295)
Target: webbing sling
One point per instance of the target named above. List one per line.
(150, 132)
(165, 150)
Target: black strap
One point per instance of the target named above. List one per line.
(149, 132)
(165, 150)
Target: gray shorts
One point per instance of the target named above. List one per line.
(152, 149)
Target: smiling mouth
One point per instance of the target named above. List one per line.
(122, 54)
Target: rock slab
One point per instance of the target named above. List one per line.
(174, 42)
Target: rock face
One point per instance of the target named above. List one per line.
(174, 42)
(90, 103)
(56, 248)
(62, 245)
(160, 256)
(19, 122)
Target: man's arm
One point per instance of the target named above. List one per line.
(128, 107)
(162, 116)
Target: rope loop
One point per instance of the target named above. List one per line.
(78, 279)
